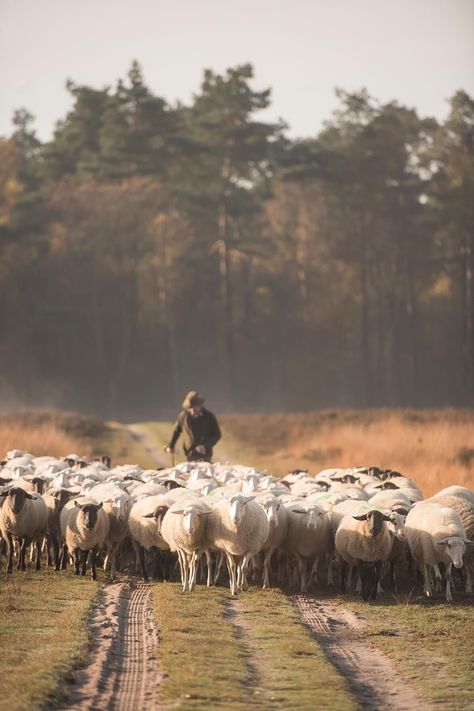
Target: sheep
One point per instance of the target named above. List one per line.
(435, 534)
(184, 530)
(55, 500)
(117, 507)
(454, 490)
(465, 510)
(23, 518)
(84, 527)
(144, 521)
(364, 541)
(239, 527)
(309, 537)
(277, 517)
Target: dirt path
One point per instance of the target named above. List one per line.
(122, 673)
(371, 675)
(253, 661)
(146, 441)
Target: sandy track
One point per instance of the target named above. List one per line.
(146, 441)
(122, 674)
(371, 675)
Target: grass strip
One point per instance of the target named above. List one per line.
(431, 644)
(294, 670)
(43, 635)
(199, 654)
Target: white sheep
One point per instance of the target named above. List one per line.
(144, 521)
(184, 530)
(239, 527)
(309, 537)
(23, 518)
(435, 534)
(277, 517)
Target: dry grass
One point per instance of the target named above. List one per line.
(41, 439)
(435, 448)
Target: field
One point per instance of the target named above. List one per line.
(256, 650)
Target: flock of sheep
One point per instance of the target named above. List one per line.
(355, 526)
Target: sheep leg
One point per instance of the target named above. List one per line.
(143, 563)
(330, 578)
(209, 568)
(193, 566)
(24, 545)
(231, 565)
(244, 566)
(468, 580)
(426, 580)
(49, 557)
(376, 587)
(266, 567)
(343, 571)
(449, 597)
(64, 555)
(38, 556)
(219, 567)
(10, 549)
(302, 572)
(56, 556)
(314, 571)
(183, 569)
(77, 561)
(84, 556)
(94, 563)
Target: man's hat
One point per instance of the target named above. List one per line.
(192, 399)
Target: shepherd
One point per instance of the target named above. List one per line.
(199, 428)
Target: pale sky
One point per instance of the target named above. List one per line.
(418, 52)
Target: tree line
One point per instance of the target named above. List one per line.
(150, 247)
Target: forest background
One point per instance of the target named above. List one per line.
(150, 247)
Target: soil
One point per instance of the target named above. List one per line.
(147, 442)
(122, 674)
(371, 675)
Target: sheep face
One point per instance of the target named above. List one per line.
(374, 520)
(312, 514)
(271, 510)
(18, 499)
(237, 508)
(88, 513)
(454, 547)
(158, 514)
(120, 508)
(61, 497)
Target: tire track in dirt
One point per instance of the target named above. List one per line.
(122, 674)
(146, 441)
(371, 675)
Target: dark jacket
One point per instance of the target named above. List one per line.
(202, 429)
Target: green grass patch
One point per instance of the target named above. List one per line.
(43, 635)
(198, 653)
(294, 671)
(432, 644)
(208, 664)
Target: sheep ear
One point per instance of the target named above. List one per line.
(30, 496)
(386, 518)
(77, 505)
(363, 517)
(180, 511)
(402, 512)
(204, 513)
(150, 515)
(99, 506)
(443, 542)
(249, 498)
(298, 511)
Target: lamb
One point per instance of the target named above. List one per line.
(23, 518)
(184, 530)
(364, 541)
(84, 527)
(309, 537)
(435, 534)
(239, 527)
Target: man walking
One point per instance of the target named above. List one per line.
(199, 429)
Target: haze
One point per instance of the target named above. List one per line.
(418, 52)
